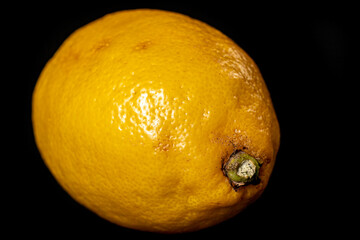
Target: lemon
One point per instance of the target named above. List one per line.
(156, 121)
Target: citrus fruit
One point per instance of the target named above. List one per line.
(155, 121)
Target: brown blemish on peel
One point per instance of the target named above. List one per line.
(142, 45)
(72, 56)
(164, 144)
(101, 45)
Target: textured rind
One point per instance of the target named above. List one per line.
(137, 111)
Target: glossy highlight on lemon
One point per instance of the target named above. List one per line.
(137, 113)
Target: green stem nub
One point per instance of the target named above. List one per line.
(242, 169)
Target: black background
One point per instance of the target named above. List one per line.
(303, 52)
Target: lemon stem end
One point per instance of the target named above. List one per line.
(241, 169)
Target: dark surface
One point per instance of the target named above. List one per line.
(303, 53)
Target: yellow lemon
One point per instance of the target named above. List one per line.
(156, 121)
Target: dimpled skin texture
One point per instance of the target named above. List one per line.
(137, 111)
